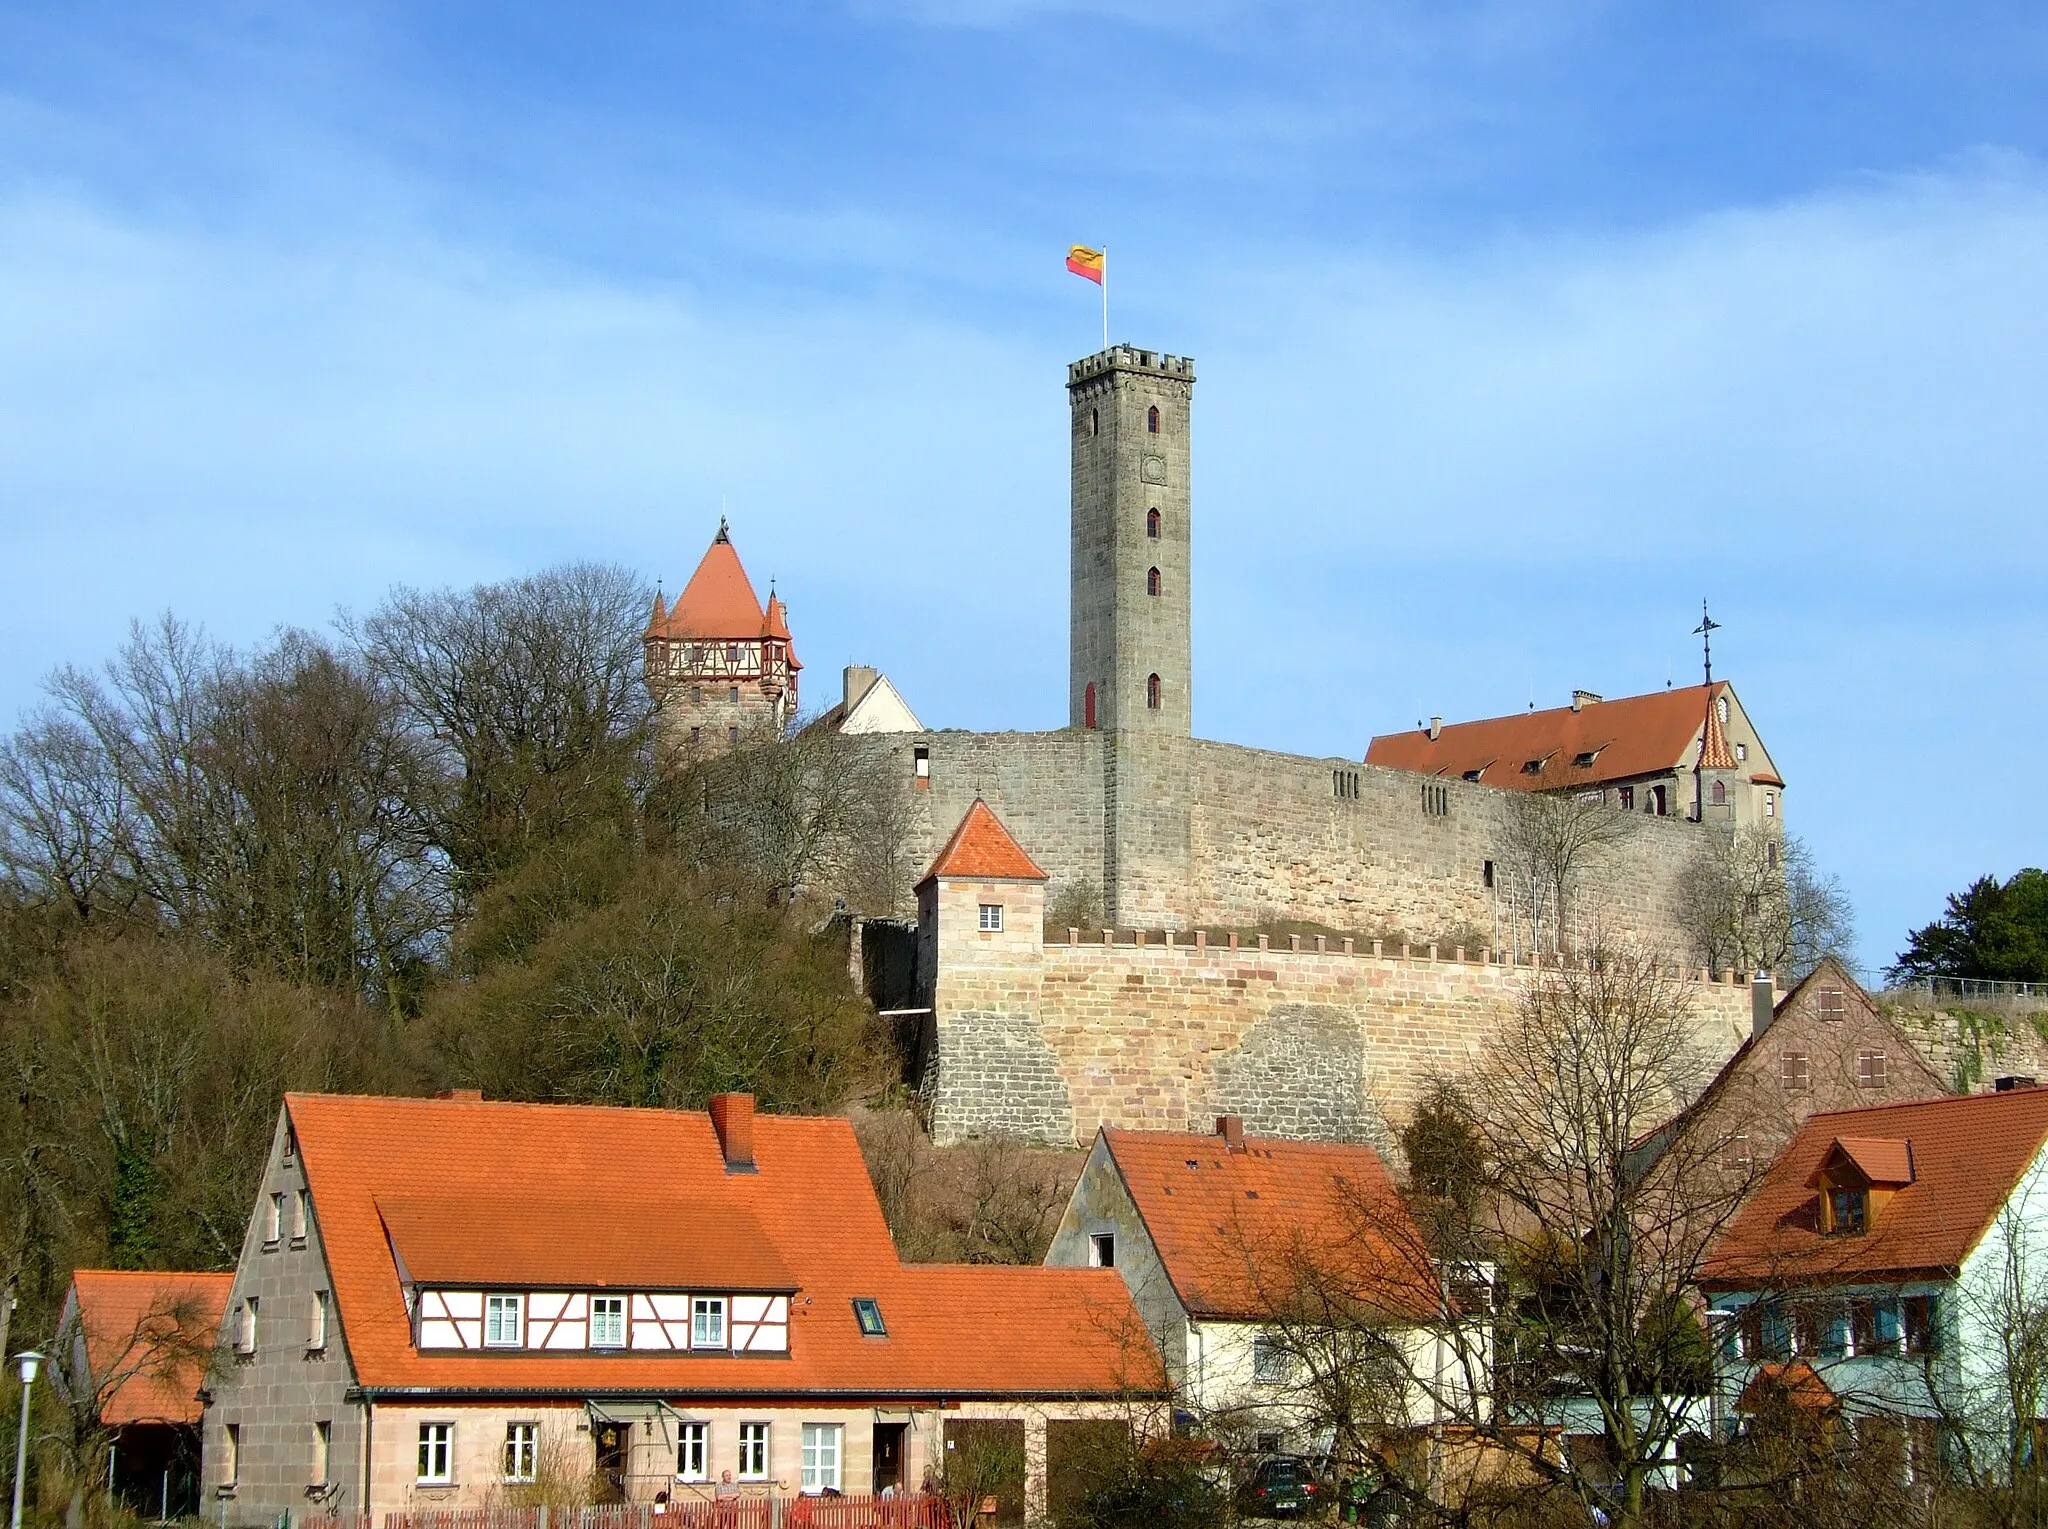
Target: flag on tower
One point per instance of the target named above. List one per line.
(1083, 261)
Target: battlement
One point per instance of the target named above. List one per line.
(1128, 358)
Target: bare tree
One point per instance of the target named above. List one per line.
(1754, 900)
(1548, 841)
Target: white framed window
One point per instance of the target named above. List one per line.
(316, 1329)
(246, 1339)
(753, 1451)
(607, 1321)
(502, 1320)
(231, 1454)
(991, 918)
(301, 1214)
(707, 1321)
(436, 1454)
(821, 1457)
(323, 1446)
(1272, 1365)
(273, 1224)
(522, 1451)
(693, 1451)
(1102, 1250)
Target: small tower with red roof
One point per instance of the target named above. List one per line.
(719, 666)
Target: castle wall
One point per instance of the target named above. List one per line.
(1323, 1045)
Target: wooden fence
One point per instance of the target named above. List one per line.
(908, 1511)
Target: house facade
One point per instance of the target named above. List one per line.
(1887, 1275)
(1232, 1247)
(452, 1303)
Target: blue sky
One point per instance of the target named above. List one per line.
(1520, 329)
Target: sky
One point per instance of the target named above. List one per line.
(1521, 329)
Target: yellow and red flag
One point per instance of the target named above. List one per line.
(1083, 261)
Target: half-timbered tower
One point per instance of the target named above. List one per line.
(718, 664)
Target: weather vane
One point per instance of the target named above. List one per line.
(1705, 633)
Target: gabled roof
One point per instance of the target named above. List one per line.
(1878, 1160)
(1633, 736)
(1237, 1229)
(719, 603)
(508, 1169)
(1967, 1157)
(149, 1335)
(1794, 1382)
(981, 849)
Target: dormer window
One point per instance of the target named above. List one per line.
(1845, 1211)
(503, 1325)
(1533, 766)
(607, 1321)
(1584, 760)
(1857, 1179)
(707, 1321)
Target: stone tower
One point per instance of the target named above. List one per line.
(1129, 663)
(718, 665)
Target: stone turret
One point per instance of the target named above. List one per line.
(1129, 664)
(718, 665)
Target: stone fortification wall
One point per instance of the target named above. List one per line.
(1317, 1044)
(1179, 833)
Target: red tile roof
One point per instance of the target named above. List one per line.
(1235, 1230)
(149, 1335)
(1880, 1161)
(718, 604)
(951, 1332)
(1967, 1156)
(1794, 1381)
(981, 849)
(1714, 751)
(1633, 736)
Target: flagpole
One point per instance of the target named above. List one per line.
(1105, 297)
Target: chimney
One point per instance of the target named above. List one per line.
(462, 1095)
(1762, 1003)
(860, 679)
(732, 1117)
(1436, 728)
(1231, 1129)
(1581, 699)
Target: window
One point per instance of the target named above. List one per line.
(1094, 421)
(867, 1312)
(733, 696)
(1720, 794)
(1088, 706)
(1436, 800)
(732, 656)
(1736, 1155)
(1796, 1072)
(707, 1321)
(1532, 767)
(1486, 874)
(921, 762)
(1770, 804)
(1920, 1318)
(1847, 1211)
(732, 735)
(753, 1451)
(608, 1321)
(522, 1450)
(323, 1443)
(1870, 1069)
(1475, 774)
(991, 918)
(1722, 707)
(1741, 752)
(696, 737)
(1771, 854)
(1152, 692)
(693, 1451)
(247, 1341)
(1271, 1363)
(1834, 1330)
(435, 1462)
(1151, 581)
(316, 1330)
(273, 1225)
(821, 1457)
(1832, 1003)
(1344, 785)
(231, 1454)
(1102, 1250)
(1584, 761)
(1884, 1329)
(1152, 420)
(1625, 798)
(301, 1215)
(501, 1321)
(291, 1146)
(1152, 524)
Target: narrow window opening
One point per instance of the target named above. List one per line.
(1152, 420)
(1152, 524)
(1152, 581)
(1088, 705)
(1486, 873)
(1152, 692)
(1720, 794)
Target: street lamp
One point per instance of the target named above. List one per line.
(30, 1362)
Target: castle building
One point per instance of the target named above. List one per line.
(719, 665)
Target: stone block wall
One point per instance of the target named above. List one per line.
(1324, 1045)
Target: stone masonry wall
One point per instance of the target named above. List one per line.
(1314, 1044)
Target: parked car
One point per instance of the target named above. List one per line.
(1281, 1487)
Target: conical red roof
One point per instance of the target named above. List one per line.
(981, 849)
(719, 602)
(776, 623)
(1714, 751)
